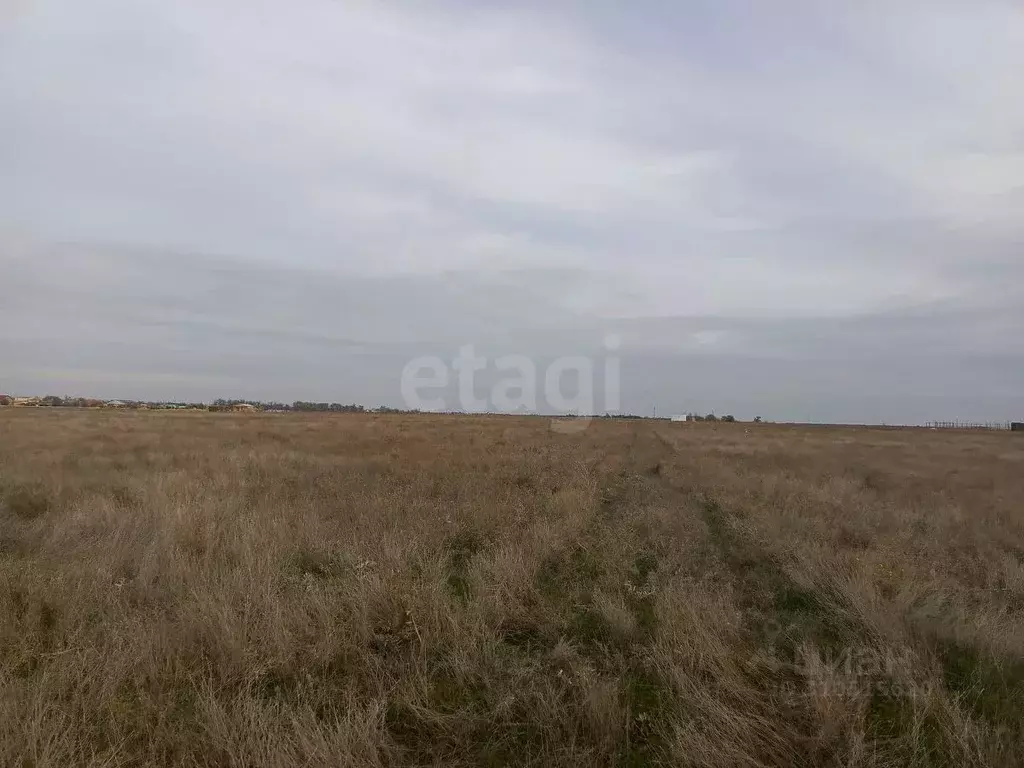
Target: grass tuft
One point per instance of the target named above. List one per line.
(25, 501)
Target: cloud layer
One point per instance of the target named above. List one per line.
(816, 212)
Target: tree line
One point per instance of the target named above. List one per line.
(300, 406)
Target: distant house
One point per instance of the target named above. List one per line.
(116, 404)
(244, 408)
(27, 402)
(682, 417)
(1017, 426)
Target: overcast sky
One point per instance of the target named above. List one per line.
(812, 211)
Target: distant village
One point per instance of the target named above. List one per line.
(53, 401)
(238, 406)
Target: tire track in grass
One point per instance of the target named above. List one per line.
(572, 578)
(783, 618)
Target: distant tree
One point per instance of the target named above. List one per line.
(729, 418)
(5, 400)
(351, 408)
(52, 400)
(757, 419)
(711, 417)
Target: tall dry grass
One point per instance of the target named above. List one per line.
(281, 590)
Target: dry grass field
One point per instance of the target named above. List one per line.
(288, 590)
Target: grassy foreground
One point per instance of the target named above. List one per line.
(288, 590)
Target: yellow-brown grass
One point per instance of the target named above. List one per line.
(315, 590)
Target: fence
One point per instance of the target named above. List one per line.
(994, 425)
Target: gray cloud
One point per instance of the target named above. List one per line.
(165, 325)
(827, 199)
